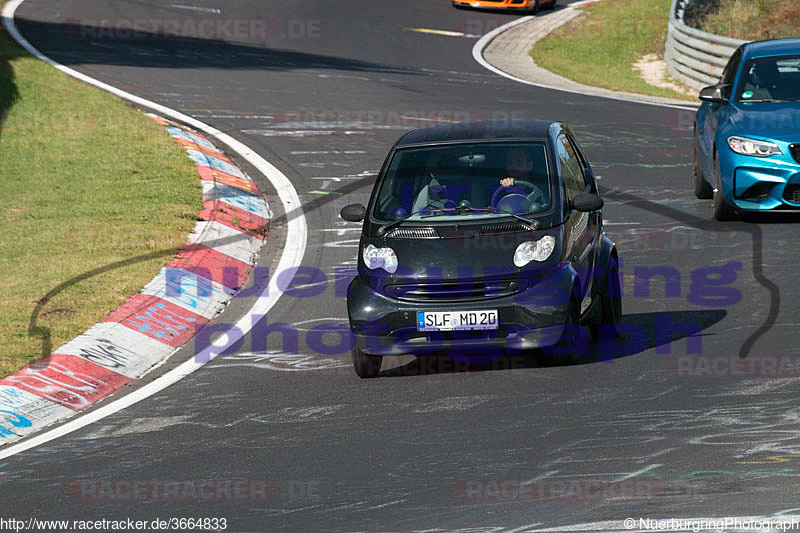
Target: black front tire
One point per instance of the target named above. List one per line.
(365, 365)
(534, 9)
(702, 189)
(722, 209)
(610, 301)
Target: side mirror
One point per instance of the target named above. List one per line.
(354, 212)
(714, 94)
(587, 202)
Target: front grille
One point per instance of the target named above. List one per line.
(413, 233)
(453, 290)
(795, 148)
(792, 193)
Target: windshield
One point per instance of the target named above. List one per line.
(770, 79)
(465, 181)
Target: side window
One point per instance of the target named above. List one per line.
(571, 169)
(729, 74)
(587, 181)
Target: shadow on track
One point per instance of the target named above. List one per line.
(639, 332)
(771, 218)
(85, 44)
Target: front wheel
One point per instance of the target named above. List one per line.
(722, 209)
(365, 365)
(534, 9)
(610, 301)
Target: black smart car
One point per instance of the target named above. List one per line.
(482, 234)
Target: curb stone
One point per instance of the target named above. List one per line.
(509, 52)
(150, 326)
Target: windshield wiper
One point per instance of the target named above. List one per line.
(531, 224)
(428, 210)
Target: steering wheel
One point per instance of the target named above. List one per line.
(518, 192)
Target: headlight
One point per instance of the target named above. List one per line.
(534, 251)
(380, 258)
(745, 146)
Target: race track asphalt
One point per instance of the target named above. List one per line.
(391, 454)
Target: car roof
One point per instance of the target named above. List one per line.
(772, 47)
(482, 131)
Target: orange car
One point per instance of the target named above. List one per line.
(527, 6)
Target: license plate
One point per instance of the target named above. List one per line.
(456, 320)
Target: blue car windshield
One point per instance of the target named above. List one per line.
(465, 181)
(770, 79)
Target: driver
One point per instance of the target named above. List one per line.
(520, 173)
(768, 76)
(518, 166)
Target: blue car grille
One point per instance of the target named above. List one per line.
(795, 148)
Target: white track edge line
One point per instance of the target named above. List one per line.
(291, 257)
(483, 42)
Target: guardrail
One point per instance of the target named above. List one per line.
(695, 57)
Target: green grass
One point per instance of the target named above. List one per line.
(85, 181)
(600, 49)
(754, 19)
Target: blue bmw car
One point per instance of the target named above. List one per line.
(747, 132)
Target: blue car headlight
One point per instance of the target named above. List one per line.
(745, 146)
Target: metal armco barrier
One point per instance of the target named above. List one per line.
(695, 57)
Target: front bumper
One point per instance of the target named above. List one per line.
(766, 188)
(531, 319)
(756, 184)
